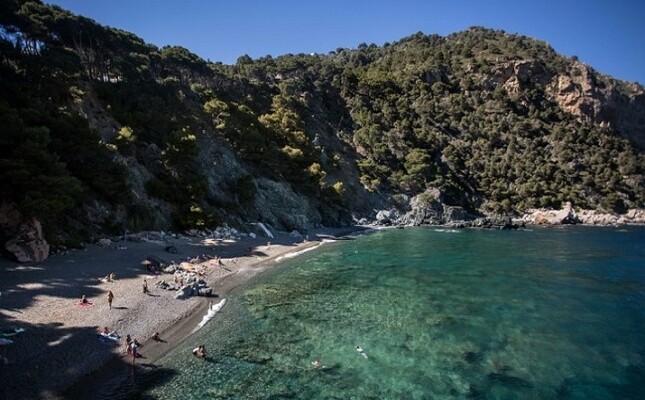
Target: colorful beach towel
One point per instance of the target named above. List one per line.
(88, 304)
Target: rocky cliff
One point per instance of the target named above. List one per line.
(611, 104)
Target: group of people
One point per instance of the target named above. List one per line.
(110, 295)
(111, 277)
(132, 347)
(110, 298)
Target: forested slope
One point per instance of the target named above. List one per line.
(102, 132)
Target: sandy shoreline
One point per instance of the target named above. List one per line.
(59, 356)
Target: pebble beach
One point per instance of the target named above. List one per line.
(60, 355)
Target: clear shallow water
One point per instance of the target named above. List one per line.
(541, 314)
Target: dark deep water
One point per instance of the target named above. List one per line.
(471, 314)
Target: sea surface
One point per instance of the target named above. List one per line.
(554, 313)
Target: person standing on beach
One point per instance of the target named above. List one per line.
(110, 297)
(145, 286)
(133, 347)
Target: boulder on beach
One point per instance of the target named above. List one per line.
(104, 242)
(29, 245)
(184, 292)
(170, 269)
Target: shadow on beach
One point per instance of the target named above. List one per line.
(126, 381)
(38, 375)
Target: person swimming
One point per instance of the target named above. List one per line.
(200, 351)
(360, 351)
(316, 364)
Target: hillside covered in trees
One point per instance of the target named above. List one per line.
(102, 132)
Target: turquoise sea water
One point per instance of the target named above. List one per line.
(469, 314)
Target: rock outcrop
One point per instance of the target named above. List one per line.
(283, 208)
(426, 208)
(26, 240)
(594, 217)
(607, 103)
(517, 75)
(567, 215)
(29, 245)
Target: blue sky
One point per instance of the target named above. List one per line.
(606, 34)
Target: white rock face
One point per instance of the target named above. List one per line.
(568, 215)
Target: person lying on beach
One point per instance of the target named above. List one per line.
(360, 351)
(84, 302)
(200, 351)
(106, 331)
(110, 335)
(156, 337)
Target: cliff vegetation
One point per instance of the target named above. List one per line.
(102, 132)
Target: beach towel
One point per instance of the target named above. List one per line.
(88, 304)
(11, 332)
(108, 336)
